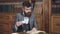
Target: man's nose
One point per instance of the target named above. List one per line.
(29, 10)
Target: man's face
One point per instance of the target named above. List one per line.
(27, 11)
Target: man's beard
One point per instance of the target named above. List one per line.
(28, 14)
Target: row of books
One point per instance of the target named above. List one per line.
(55, 6)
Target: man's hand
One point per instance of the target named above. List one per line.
(34, 29)
(18, 23)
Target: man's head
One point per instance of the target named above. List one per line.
(27, 8)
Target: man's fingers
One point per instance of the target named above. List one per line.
(18, 23)
(34, 29)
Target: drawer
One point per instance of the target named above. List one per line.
(55, 24)
(5, 27)
(4, 18)
(6, 32)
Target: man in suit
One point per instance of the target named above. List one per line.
(25, 20)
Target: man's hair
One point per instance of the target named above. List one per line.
(33, 1)
(26, 4)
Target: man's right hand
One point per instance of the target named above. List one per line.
(19, 23)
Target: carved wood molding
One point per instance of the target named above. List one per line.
(46, 15)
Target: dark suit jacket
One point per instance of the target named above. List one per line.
(32, 22)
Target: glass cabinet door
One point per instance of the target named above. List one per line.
(55, 7)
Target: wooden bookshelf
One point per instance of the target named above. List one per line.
(54, 21)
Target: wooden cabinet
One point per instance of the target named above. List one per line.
(38, 13)
(55, 24)
(5, 28)
(54, 21)
(6, 23)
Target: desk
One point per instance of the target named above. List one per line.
(41, 32)
(36, 32)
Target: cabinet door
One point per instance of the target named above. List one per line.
(38, 13)
(54, 16)
(55, 24)
(5, 28)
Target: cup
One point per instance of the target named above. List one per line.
(26, 20)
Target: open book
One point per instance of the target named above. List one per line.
(35, 32)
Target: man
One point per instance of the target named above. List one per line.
(26, 19)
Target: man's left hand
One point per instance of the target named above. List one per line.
(34, 29)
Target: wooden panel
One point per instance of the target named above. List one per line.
(5, 28)
(4, 18)
(6, 33)
(46, 15)
(55, 24)
(38, 13)
(5, 23)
